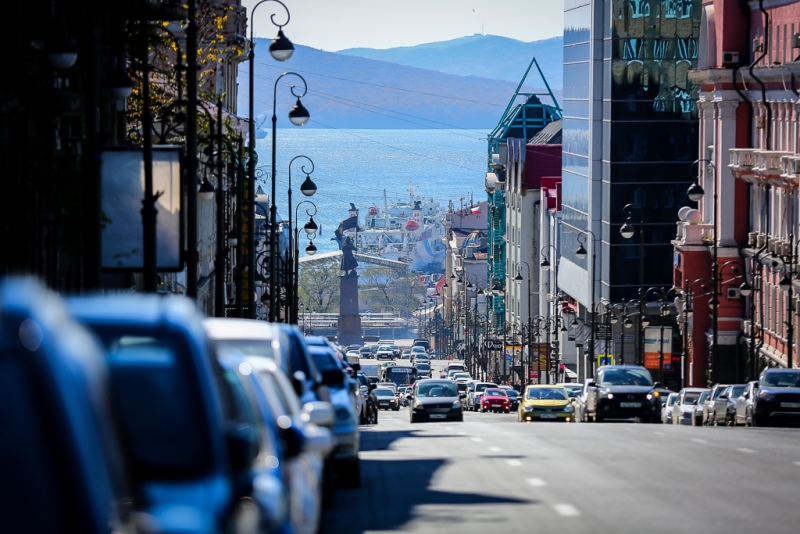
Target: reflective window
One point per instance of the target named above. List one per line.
(577, 24)
(575, 135)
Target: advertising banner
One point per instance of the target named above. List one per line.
(653, 346)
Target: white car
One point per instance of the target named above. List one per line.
(385, 352)
(666, 408)
(388, 385)
(683, 411)
(353, 356)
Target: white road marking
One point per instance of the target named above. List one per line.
(698, 440)
(495, 449)
(536, 482)
(514, 463)
(744, 449)
(461, 433)
(566, 510)
(476, 439)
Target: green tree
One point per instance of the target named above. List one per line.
(318, 285)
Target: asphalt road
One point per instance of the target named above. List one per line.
(491, 474)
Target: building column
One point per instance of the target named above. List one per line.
(726, 121)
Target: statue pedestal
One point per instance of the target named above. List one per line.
(349, 324)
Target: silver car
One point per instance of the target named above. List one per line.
(683, 411)
(666, 408)
(711, 398)
(723, 410)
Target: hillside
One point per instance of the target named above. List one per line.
(354, 92)
(487, 56)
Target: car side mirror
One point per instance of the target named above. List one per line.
(658, 385)
(372, 387)
(592, 384)
(365, 388)
(293, 439)
(756, 385)
(724, 396)
(318, 413)
(299, 382)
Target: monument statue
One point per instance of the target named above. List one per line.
(349, 323)
(349, 262)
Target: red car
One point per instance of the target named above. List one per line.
(495, 400)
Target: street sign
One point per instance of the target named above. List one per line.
(493, 344)
(534, 374)
(653, 343)
(603, 332)
(605, 359)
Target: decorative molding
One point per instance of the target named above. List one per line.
(726, 109)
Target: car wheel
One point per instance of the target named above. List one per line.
(412, 419)
(747, 418)
(397, 409)
(694, 420)
(508, 411)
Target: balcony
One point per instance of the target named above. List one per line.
(743, 160)
(790, 170)
(769, 166)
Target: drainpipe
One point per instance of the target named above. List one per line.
(765, 50)
(745, 9)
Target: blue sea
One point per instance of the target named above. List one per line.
(357, 165)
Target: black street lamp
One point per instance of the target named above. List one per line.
(581, 254)
(519, 278)
(298, 115)
(627, 232)
(311, 249)
(308, 188)
(746, 291)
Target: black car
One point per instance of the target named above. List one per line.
(777, 397)
(621, 392)
(435, 400)
(387, 400)
(513, 397)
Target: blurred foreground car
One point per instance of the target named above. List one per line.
(60, 467)
(190, 465)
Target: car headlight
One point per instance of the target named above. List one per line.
(527, 408)
(763, 395)
(568, 408)
(456, 405)
(650, 396)
(607, 394)
(417, 404)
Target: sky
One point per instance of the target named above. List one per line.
(334, 25)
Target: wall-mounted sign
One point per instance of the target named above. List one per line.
(122, 195)
(654, 344)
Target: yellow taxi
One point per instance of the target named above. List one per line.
(543, 402)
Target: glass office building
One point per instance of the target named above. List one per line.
(630, 136)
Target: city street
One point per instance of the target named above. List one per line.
(492, 474)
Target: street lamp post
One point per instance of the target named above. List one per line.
(696, 193)
(519, 278)
(581, 254)
(747, 290)
(298, 115)
(281, 49)
(308, 188)
(311, 230)
(627, 232)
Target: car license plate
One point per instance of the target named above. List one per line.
(549, 416)
(438, 416)
(630, 404)
(790, 405)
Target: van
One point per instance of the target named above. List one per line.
(420, 342)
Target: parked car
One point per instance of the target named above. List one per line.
(683, 411)
(369, 407)
(495, 400)
(620, 391)
(366, 353)
(710, 400)
(387, 399)
(346, 400)
(190, 458)
(666, 408)
(697, 419)
(435, 400)
(474, 395)
(61, 463)
(545, 402)
(310, 472)
(775, 398)
(723, 410)
(385, 352)
(744, 407)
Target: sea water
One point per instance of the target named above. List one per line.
(358, 165)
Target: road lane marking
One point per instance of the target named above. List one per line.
(495, 449)
(698, 440)
(566, 510)
(514, 463)
(536, 482)
(744, 449)
(477, 439)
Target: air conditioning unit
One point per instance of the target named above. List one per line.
(786, 248)
(734, 293)
(730, 58)
(752, 239)
(797, 305)
(761, 240)
(771, 245)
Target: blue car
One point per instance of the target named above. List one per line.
(343, 391)
(60, 466)
(190, 459)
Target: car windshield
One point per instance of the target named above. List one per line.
(495, 393)
(718, 392)
(250, 347)
(735, 392)
(547, 393)
(423, 367)
(437, 389)
(384, 393)
(511, 392)
(671, 400)
(462, 386)
(703, 397)
(782, 379)
(324, 360)
(690, 398)
(624, 377)
(384, 348)
(395, 347)
(155, 400)
(481, 387)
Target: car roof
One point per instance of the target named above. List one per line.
(219, 328)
